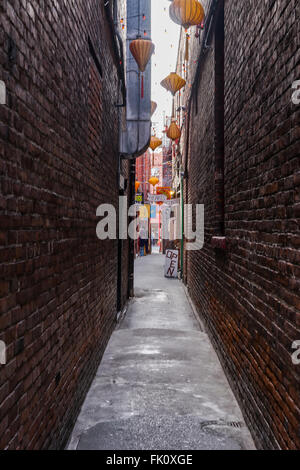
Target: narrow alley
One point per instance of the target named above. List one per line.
(149, 226)
(160, 384)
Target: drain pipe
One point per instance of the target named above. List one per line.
(182, 223)
(131, 256)
(136, 131)
(118, 49)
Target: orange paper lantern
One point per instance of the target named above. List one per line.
(137, 185)
(142, 50)
(186, 12)
(153, 181)
(173, 83)
(155, 142)
(174, 132)
(153, 107)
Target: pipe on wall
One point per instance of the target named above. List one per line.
(136, 133)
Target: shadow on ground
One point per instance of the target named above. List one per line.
(160, 385)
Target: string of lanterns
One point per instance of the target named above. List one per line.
(122, 21)
(186, 13)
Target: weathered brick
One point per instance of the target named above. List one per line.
(248, 294)
(58, 161)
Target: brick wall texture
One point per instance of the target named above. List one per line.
(143, 172)
(248, 294)
(167, 166)
(58, 163)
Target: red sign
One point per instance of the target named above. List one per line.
(164, 191)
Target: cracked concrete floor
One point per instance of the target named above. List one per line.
(160, 385)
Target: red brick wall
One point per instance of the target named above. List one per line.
(58, 163)
(249, 294)
(167, 166)
(143, 172)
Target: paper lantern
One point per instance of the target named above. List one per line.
(186, 12)
(173, 83)
(153, 107)
(155, 142)
(137, 185)
(153, 181)
(142, 50)
(174, 132)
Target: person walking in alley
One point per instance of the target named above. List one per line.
(143, 239)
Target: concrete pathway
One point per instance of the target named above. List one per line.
(160, 385)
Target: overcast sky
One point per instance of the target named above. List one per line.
(165, 35)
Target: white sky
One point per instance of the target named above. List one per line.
(165, 35)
